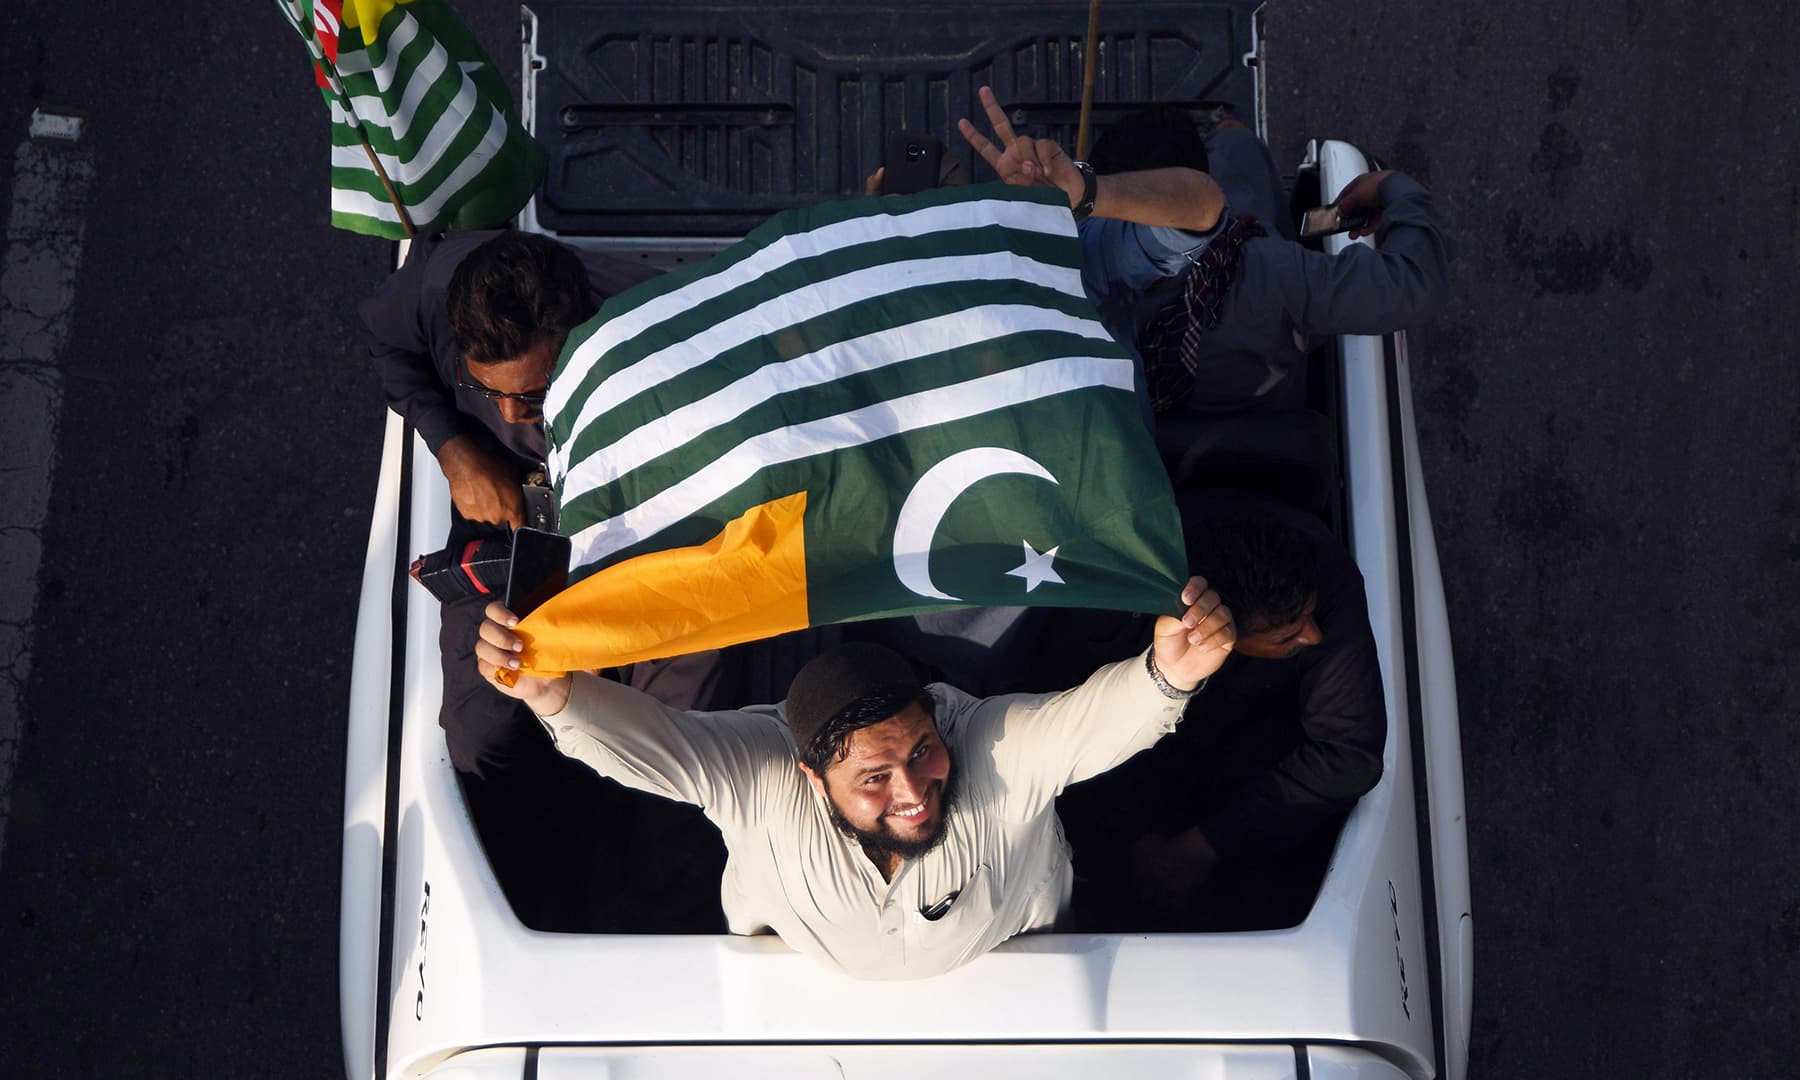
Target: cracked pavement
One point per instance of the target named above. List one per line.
(51, 186)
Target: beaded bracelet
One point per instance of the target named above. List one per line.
(1162, 684)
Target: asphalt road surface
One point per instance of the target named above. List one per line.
(1610, 414)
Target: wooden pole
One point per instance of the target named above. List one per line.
(300, 12)
(386, 184)
(1091, 54)
(362, 133)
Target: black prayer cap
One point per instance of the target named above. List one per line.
(838, 678)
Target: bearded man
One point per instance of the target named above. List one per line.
(890, 829)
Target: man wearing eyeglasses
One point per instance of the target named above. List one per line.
(465, 335)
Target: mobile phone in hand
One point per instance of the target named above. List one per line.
(910, 163)
(538, 571)
(1326, 220)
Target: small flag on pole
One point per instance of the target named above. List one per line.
(423, 131)
(874, 407)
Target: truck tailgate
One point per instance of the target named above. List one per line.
(689, 118)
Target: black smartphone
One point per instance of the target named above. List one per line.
(911, 163)
(538, 571)
(1326, 220)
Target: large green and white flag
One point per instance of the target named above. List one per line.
(873, 407)
(405, 80)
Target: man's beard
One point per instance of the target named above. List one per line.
(884, 840)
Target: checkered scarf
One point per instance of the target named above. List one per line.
(1170, 343)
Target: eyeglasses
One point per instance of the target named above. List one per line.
(534, 398)
(466, 382)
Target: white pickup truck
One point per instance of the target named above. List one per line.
(673, 128)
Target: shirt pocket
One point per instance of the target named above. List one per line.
(967, 922)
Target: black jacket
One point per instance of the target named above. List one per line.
(408, 332)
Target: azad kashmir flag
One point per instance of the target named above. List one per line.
(407, 83)
(874, 407)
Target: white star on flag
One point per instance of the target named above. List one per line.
(1036, 568)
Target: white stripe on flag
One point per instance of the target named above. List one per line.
(402, 38)
(788, 309)
(870, 352)
(928, 408)
(450, 124)
(1010, 213)
(355, 60)
(427, 208)
(362, 204)
(372, 109)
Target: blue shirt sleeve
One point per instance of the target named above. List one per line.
(1120, 258)
(1401, 282)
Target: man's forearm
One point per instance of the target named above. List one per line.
(704, 759)
(1175, 198)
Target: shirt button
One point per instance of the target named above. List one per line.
(892, 930)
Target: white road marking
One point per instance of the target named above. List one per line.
(55, 125)
(51, 186)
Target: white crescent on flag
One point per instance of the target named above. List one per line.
(930, 499)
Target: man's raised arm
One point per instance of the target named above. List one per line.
(1043, 744)
(1177, 198)
(710, 760)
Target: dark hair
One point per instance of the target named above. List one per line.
(513, 292)
(1155, 138)
(1262, 568)
(828, 744)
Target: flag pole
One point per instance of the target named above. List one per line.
(386, 184)
(301, 14)
(1087, 80)
(337, 87)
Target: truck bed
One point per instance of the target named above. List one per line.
(694, 118)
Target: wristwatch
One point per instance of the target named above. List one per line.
(1090, 186)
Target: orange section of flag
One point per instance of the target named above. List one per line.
(745, 584)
